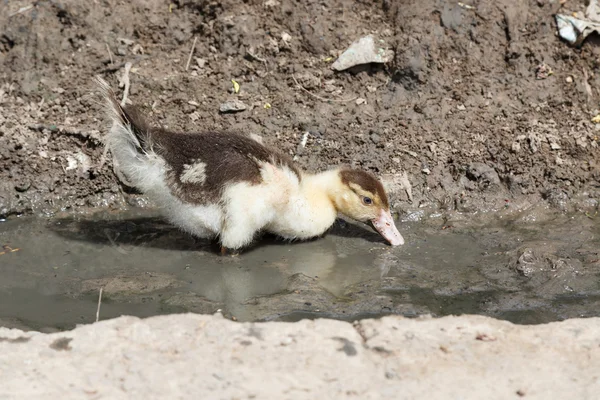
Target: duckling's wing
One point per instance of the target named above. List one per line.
(201, 165)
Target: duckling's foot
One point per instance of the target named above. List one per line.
(225, 251)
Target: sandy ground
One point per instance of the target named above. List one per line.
(192, 356)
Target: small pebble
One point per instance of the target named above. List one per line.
(22, 186)
(256, 137)
(232, 106)
(286, 37)
(200, 62)
(569, 79)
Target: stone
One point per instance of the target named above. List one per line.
(232, 106)
(363, 51)
(204, 356)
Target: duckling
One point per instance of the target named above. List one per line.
(231, 187)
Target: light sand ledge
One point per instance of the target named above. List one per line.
(209, 357)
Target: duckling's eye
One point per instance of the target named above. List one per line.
(367, 200)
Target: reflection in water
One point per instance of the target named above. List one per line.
(148, 267)
(62, 258)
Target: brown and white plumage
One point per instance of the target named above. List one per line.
(230, 186)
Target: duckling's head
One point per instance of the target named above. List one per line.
(362, 197)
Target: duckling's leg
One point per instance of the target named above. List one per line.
(232, 253)
(243, 219)
(249, 208)
(237, 233)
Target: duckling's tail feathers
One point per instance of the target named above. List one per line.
(126, 120)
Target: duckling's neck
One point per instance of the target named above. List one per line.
(311, 211)
(323, 187)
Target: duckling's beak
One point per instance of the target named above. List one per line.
(384, 224)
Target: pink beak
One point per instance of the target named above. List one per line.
(384, 224)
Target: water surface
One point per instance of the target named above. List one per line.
(526, 270)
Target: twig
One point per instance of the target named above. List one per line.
(69, 130)
(304, 140)
(187, 65)
(406, 185)
(21, 10)
(109, 54)
(302, 145)
(586, 84)
(8, 249)
(319, 97)
(124, 82)
(257, 58)
(118, 66)
(99, 303)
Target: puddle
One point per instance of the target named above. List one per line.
(523, 270)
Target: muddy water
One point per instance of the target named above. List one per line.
(526, 268)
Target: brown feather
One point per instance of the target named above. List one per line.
(366, 181)
(228, 157)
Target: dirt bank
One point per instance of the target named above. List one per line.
(460, 109)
